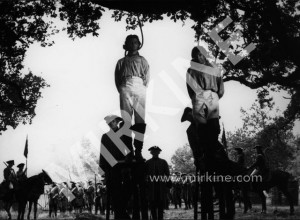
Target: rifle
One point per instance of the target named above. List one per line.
(11, 168)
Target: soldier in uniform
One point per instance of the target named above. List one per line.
(63, 200)
(240, 156)
(260, 165)
(74, 203)
(157, 167)
(53, 199)
(117, 178)
(21, 173)
(9, 175)
(90, 195)
(177, 190)
(103, 198)
(98, 198)
(80, 197)
(187, 191)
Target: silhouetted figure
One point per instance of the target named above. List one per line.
(9, 175)
(53, 199)
(240, 156)
(260, 165)
(21, 173)
(157, 171)
(117, 177)
(90, 195)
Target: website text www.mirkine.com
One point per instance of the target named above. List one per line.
(213, 178)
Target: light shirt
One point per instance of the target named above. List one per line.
(131, 66)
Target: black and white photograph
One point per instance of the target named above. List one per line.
(149, 109)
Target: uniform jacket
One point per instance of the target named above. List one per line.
(8, 174)
(21, 175)
(157, 167)
(112, 149)
(260, 164)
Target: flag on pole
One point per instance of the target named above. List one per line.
(26, 147)
(224, 141)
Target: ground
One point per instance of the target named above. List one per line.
(282, 213)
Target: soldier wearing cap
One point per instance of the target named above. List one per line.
(90, 195)
(187, 193)
(177, 190)
(80, 196)
(53, 199)
(157, 194)
(74, 202)
(240, 156)
(103, 198)
(63, 200)
(260, 165)
(109, 140)
(9, 175)
(117, 182)
(21, 174)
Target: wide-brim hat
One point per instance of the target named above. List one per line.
(110, 118)
(186, 111)
(10, 162)
(154, 148)
(21, 165)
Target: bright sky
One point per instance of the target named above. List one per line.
(82, 92)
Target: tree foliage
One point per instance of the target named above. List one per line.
(273, 26)
(261, 128)
(89, 159)
(183, 160)
(21, 24)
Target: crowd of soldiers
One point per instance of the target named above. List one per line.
(77, 198)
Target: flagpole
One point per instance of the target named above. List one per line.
(26, 154)
(26, 167)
